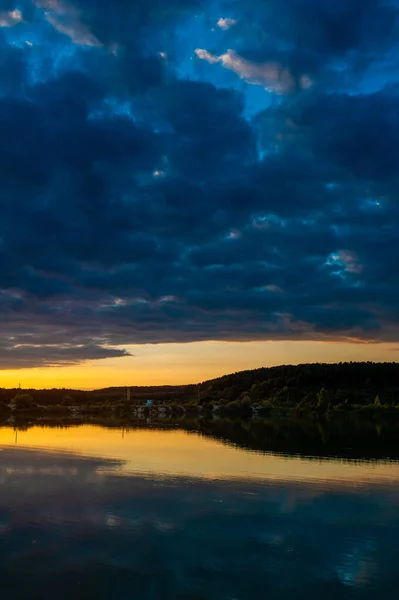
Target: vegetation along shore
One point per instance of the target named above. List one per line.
(303, 389)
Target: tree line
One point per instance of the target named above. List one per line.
(308, 386)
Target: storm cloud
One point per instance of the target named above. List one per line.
(190, 170)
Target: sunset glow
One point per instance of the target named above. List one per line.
(174, 364)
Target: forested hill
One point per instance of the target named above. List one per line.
(302, 386)
(342, 383)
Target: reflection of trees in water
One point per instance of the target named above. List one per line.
(348, 437)
(351, 435)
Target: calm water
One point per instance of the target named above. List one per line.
(89, 512)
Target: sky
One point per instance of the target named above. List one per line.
(194, 187)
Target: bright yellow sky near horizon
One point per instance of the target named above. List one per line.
(173, 364)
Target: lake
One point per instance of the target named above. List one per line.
(190, 511)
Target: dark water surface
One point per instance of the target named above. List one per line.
(90, 512)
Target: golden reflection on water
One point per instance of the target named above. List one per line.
(176, 452)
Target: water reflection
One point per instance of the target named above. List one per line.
(211, 451)
(84, 512)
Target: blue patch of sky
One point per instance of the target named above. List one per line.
(201, 31)
(46, 55)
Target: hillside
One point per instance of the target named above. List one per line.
(309, 385)
(324, 386)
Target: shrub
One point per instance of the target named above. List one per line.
(23, 401)
(68, 401)
(246, 402)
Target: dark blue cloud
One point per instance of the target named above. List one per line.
(165, 178)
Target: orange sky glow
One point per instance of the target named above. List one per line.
(174, 364)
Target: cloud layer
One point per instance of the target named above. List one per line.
(183, 171)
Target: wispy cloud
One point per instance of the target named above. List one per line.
(10, 18)
(346, 260)
(272, 75)
(226, 23)
(66, 19)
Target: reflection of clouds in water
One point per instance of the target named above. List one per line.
(357, 565)
(60, 515)
(18, 459)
